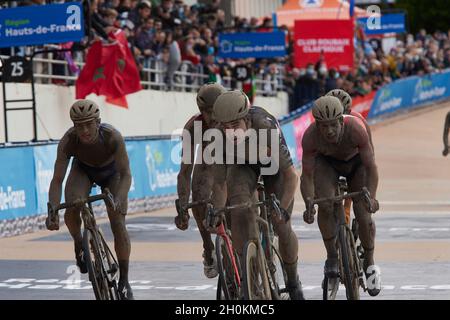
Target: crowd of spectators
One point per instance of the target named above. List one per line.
(373, 67)
(163, 33)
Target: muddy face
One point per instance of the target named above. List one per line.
(87, 131)
(330, 130)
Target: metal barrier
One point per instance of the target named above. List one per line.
(189, 77)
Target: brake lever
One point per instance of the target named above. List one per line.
(366, 195)
(281, 214)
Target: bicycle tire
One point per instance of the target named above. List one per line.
(255, 275)
(90, 252)
(350, 272)
(113, 269)
(227, 276)
(280, 276)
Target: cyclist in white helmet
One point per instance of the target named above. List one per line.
(201, 182)
(338, 145)
(346, 101)
(100, 157)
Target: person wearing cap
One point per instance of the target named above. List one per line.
(338, 145)
(201, 182)
(98, 156)
(236, 180)
(139, 14)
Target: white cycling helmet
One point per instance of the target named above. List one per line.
(345, 98)
(84, 110)
(327, 108)
(230, 106)
(207, 95)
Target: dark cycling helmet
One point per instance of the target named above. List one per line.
(345, 98)
(84, 110)
(207, 95)
(231, 106)
(327, 108)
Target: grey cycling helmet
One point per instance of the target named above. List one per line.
(345, 98)
(207, 95)
(231, 106)
(84, 110)
(327, 108)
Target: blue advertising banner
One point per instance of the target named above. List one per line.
(252, 45)
(136, 155)
(44, 162)
(387, 23)
(431, 87)
(289, 136)
(34, 25)
(161, 166)
(392, 97)
(17, 190)
(410, 92)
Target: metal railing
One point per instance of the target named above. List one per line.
(188, 77)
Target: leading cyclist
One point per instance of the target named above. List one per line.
(100, 157)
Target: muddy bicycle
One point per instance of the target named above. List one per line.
(229, 281)
(102, 266)
(262, 270)
(350, 252)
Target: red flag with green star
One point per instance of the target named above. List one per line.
(110, 70)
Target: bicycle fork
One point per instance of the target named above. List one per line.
(222, 233)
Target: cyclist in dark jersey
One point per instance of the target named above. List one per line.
(445, 137)
(339, 145)
(237, 182)
(201, 182)
(100, 157)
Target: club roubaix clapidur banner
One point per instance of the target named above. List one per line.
(333, 38)
(33, 25)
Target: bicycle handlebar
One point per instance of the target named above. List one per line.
(364, 192)
(106, 196)
(272, 201)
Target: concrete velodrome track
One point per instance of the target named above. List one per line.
(412, 248)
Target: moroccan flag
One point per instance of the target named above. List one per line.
(110, 70)
(249, 88)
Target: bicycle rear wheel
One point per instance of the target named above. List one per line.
(227, 285)
(349, 263)
(255, 275)
(92, 258)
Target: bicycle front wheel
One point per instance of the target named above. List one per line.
(111, 268)
(255, 279)
(92, 258)
(228, 287)
(349, 263)
(279, 275)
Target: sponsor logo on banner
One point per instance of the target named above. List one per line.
(388, 101)
(12, 199)
(310, 3)
(425, 90)
(33, 25)
(332, 38)
(161, 171)
(252, 45)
